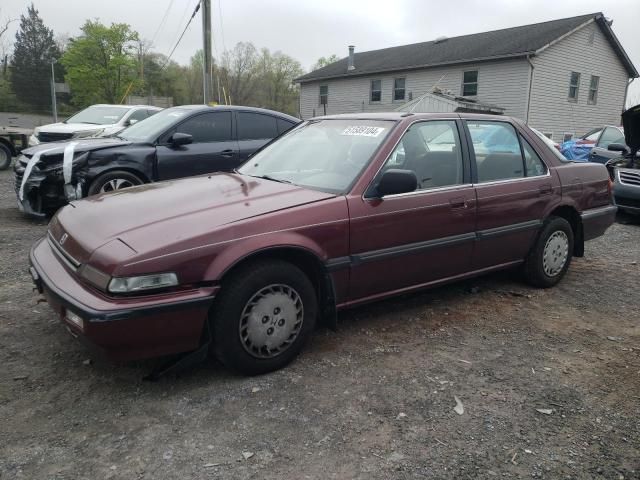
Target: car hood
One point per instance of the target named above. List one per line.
(172, 214)
(82, 145)
(631, 125)
(61, 127)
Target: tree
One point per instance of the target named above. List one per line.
(101, 64)
(324, 61)
(33, 52)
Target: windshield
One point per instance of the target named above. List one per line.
(97, 115)
(154, 126)
(326, 155)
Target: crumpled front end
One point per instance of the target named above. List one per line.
(44, 190)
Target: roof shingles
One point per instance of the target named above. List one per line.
(509, 42)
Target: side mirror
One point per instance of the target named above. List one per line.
(396, 181)
(618, 147)
(132, 121)
(178, 139)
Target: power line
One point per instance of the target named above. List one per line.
(163, 21)
(182, 34)
(224, 46)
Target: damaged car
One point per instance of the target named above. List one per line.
(176, 142)
(625, 169)
(326, 217)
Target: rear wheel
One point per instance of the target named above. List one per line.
(550, 256)
(112, 181)
(263, 316)
(5, 157)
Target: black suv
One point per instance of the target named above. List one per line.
(176, 142)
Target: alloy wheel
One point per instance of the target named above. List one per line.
(116, 184)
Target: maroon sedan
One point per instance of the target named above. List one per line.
(340, 211)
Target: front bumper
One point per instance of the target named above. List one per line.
(627, 197)
(127, 328)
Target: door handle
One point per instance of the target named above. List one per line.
(457, 203)
(227, 153)
(545, 190)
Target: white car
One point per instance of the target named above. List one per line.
(93, 121)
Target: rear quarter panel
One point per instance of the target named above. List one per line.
(584, 185)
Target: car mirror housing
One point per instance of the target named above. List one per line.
(618, 147)
(178, 139)
(395, 181)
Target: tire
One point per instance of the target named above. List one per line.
(113, 180)
(550, 256)
(5, 157)
(263, 307)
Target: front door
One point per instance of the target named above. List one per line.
(213, 148)
(401, 241)
(513, 188)
(600, 152)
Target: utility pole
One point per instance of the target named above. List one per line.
(206, 40)
(54, 107)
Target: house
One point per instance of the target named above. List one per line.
(563, 77)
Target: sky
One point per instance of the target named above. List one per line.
(308, 30)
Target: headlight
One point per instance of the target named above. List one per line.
(88, 133)
(145, 282)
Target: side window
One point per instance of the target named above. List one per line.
(255, 126)
(284, 126)
(532, 161)
(432, 151)
(610, 135)
(137, 116)
(592, 136)
(208, 127)
(497, 151)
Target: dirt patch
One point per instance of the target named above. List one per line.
(549, 381)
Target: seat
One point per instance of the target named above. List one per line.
(500, 166)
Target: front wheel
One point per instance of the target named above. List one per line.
(550, 256)
(263, 316)
(112, 181)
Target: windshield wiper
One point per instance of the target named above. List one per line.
(269, 177)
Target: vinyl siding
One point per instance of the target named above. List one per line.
(501, 83)
(551, 110)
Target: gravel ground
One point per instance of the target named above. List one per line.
(549, 381)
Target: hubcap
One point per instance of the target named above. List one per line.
(271, 321)
(116, 184)
(556, 252)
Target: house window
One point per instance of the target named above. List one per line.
(593, 90)
(574, 86)
(567, 136)
(324, 94)
(470, 83)
(376, 90)
(398, 89)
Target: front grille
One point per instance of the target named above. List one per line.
(53, 137)
(629, 177)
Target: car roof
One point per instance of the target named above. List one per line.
(238, 108)
(128, 107)
(397, 116)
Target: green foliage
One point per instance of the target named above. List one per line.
(101, 64)
(324, 61)
(31, 64)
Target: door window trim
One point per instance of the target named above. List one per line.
(464, 152)
(519, 134)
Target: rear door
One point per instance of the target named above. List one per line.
(213, 149)
(513, 188)
(599, 153)
(420, 237)
(254, 130)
